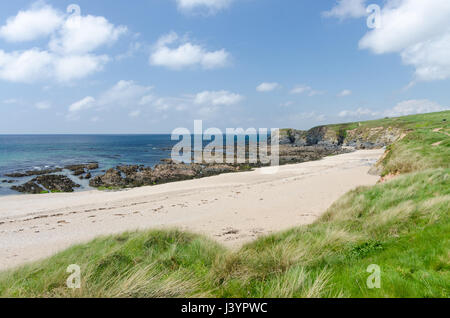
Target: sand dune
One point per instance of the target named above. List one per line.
(231, 208)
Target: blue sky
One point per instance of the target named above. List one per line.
(155, 65)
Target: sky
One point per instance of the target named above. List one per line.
(98, 66)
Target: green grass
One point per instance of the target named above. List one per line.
(412, 122)
(401, 225)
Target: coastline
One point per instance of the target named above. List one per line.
(231, 208)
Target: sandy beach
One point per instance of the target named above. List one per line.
(231, 208)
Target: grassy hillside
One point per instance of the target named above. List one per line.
(401, 225)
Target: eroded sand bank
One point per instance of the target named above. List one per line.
(231, 208)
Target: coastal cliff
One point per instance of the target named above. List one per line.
(345, 135)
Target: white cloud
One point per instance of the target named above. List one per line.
(27, 25)
(124, 93)
(135, 100)
(84, 34)
(344, 93)
(405, 108)
(411, 107)
(419, 31)
(186, 54)
(267, 87)
(304, 89)
(211, 6)
(147, 99)
(43, 105)
(217, 98)
(347, 9)
(85, 103)
(68, 68)
(360, 112)
(27, 66)
(71, 44)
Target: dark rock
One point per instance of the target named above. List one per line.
(111, 178)
(29, 187)
(78, 172)
(56, 183)
(88, 176)
(32, 173)
(79, 167)
(53, 183)
(128, 170)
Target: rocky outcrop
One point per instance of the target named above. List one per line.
(9, 181)
(29, 187)
(52, 183)
(290, 155)
(136, 176)
(335, 136)
(111, 178)
(85, 166)
(32, 173)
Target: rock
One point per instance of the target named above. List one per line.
(86, 166)
(32, 173)
(111, 178)
(136, 176)
(88, 176)
(56, 183)
(78, 172)
(128, 170)
(215, 169)
(9, 181)
(29, 187)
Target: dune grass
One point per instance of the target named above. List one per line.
(401, 226)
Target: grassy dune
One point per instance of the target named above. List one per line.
(401, 225)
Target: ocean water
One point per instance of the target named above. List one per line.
(37, 152)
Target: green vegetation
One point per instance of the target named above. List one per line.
(401, 225)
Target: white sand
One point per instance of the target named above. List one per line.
(231, 208)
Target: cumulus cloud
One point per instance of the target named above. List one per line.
(73, 67)
(414, 106)
(417, 30)
(404, 108)
(138, 100)
(217, 98)
(184, 54)
(304, 89)
(85, 103)
(39, 21)
(360, 112)
(124, 93)
(26, 67)
(72, 42)
(344, 9)
(84, 34)
(344, 93)
(208, 6)
(267, 87)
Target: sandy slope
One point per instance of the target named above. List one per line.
(232, 208)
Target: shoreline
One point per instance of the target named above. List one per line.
(231, 208)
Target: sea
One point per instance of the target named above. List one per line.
(19, 153)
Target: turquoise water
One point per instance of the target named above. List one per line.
(36, 152)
